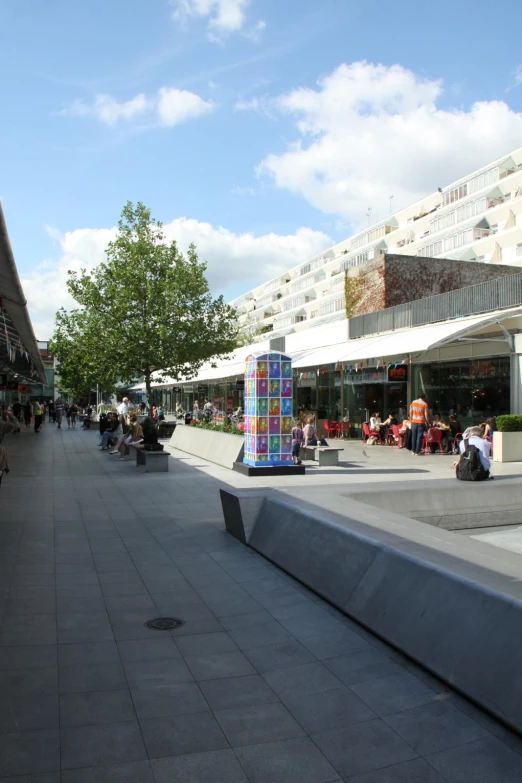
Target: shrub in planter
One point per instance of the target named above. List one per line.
(509, 423)
(208, 425)
(166, 428)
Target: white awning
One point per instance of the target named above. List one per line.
(402, 342)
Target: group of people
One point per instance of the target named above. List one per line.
(452, 439)
(303, 437)
(121, 429)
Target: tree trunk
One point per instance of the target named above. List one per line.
(148, 388)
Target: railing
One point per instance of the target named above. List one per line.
(481, 298)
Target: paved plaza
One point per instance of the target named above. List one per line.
(264, 682)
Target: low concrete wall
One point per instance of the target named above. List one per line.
(217, 447)
(507, 447)
(451, 603)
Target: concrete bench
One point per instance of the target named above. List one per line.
(152, 461)
(324, 455)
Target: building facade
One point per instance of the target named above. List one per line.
(477, 218)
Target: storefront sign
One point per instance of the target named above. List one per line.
(240, 385)
(177, 389)
(188, 389)
(203, 388)
(366, 376)
(398, 373)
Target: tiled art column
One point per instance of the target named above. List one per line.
(268, 409)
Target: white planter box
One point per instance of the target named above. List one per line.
(218, 447)
(507, 447)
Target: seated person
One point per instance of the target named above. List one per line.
(491, 425)
(475, 437)
(150, 436)
(113, 431)
(375, 422)
(391, 420)
(447, 437)
(134, 436)
(310, 435)
(454, 424)
(405, 433)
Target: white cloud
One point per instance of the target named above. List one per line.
(176, 106)
(244, 259)
(169, 107)
(371, 131)
(223, 16)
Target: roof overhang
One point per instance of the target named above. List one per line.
(16, 331)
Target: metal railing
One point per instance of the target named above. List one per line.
(481, 298)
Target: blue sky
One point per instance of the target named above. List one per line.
(248, 118)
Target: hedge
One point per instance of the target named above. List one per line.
(509, 423)
(207, 425)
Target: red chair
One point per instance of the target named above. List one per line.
(344, 428)
(334, 426)
(396, 435)
(367, 433)
(330, 429)
(456, 441)
(433, 436)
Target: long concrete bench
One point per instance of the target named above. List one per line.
(152, 461)
(451, 603)
(324, 455)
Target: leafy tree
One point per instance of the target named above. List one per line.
(148, 309)
(80, 365)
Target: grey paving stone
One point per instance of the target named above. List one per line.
(286, 761)
(217, 665)
(363, 747)
(435, 727)
(79, 591)
(387, 695)
(130, 576)
(258, 723)
(162, 700)
(331, 709)
(233, 692)
(215, 766)
(194, 626)
(29, 752)
(124, 589)
(416, 771)
(362, 666)
(28, 630)
(332, 643)
(28, 657)
(148, 649)
(206, 643)
(108, 743)
(91, 677)
(78, 709)
(23, 682)
(181, 734)
(307, 678)
(78, 627)
(87, 653)
(43, 604)
(483, 761)
(279, 656)
(80, 605)
(123, 603)
(23, 713)
(133, 772)
(246, 620)
(68, 580)
(260, 635)
(45, 777)
(156, 673)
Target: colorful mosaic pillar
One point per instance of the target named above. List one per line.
(268, 409)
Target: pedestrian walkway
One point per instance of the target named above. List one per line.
(263, 683)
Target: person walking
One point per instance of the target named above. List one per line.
(59, 407)
(297, 439)
(17, 410)
(8, 423)
(28, 414)
(101, 408)
(74, 413)
(123, 412)
(420, 421)
(52, 411)
(68, 414)
(37, 412)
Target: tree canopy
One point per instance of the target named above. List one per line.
(146, 309)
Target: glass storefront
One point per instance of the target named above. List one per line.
(369, 391)
(473, 390)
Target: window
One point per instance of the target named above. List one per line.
(519, 251)
(483, 180)
(430, 251)
(360, 258)
(332, 307)
(455, 194)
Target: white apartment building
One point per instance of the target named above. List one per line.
(476, 218)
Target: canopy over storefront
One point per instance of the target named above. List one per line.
(19, 354)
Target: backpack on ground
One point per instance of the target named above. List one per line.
(470, 468)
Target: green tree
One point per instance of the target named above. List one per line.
(80, 366)
(148, 308)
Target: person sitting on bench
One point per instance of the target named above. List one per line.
(113, 431)
(134, 437)
(310, 435)
(150, 437)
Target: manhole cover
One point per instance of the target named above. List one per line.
(164, 624)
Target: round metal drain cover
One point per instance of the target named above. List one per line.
(164, 623)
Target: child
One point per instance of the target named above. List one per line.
(297, 439)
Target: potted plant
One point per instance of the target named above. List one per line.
(507, 439)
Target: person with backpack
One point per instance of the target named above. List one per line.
(474, 463)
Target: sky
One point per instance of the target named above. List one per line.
(260, 130)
